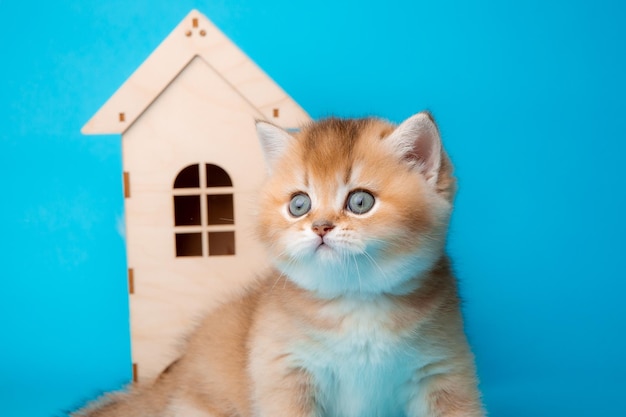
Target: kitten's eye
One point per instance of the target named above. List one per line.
(360, 202)
(299, 205)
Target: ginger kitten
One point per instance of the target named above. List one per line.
(360, 317)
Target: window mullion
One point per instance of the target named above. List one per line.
(204, 211)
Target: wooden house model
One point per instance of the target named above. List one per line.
(192, 165)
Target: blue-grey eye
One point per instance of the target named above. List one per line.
(299, 205)
(360, 202)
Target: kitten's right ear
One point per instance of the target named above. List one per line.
(274, 142)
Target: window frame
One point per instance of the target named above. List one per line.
(203, 228)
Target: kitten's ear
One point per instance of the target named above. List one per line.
(417, 141)
(274, 142)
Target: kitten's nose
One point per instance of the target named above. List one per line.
(321, 227)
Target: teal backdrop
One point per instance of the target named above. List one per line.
(530, 97)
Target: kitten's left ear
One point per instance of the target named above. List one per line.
(417, 141)
(274, 142)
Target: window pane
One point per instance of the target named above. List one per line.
(221, 243)
(188, 178)
(217, 177)
(220, 209)
(187, 210)
(188, 244)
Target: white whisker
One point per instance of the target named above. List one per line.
(358, 273)
(373, 261)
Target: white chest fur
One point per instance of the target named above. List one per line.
(364, 367)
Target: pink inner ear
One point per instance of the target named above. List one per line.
(424, 154)
(418, 140)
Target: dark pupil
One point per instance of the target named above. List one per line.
(358, 200)
(299, 203)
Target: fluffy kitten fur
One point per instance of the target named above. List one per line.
(360, 317)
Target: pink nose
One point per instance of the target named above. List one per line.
(322, 227)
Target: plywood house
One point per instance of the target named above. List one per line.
(192, 166)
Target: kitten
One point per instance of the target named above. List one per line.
(361, 316)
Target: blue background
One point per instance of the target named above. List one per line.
(530, 97)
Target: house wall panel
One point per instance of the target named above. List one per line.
(201, 119)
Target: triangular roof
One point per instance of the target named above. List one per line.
(194, 36)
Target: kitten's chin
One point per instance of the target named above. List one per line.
(329, 274)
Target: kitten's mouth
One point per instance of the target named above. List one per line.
(323, 246)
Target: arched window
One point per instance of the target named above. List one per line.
(204, 215)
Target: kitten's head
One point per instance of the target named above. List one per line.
(355, 207)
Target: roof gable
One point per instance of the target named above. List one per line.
(194, 36)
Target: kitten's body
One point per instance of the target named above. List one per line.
(361, 317)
